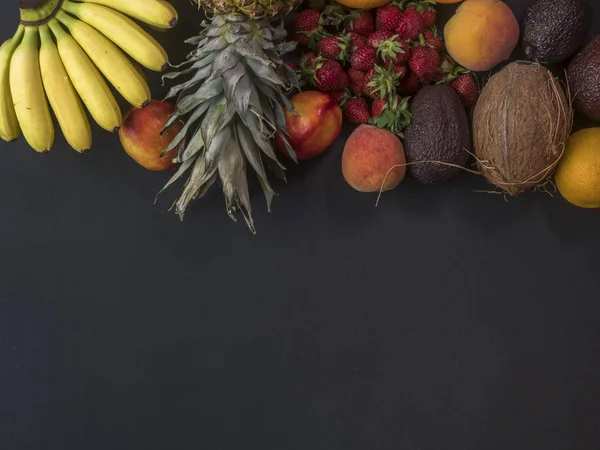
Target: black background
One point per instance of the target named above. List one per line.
(443, 319)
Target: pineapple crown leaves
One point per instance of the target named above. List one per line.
(394, 116)
(384, 82)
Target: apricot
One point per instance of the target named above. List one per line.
(368, 156)
(141, 137)
(481, 34)
(315, 126)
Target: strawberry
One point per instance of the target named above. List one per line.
(334, 47)
(340, 96)
(378, 37)
(466, 88)
(388, 18)
(410, 84)
(357, 80)
(327, 75)
(424, 62)
(307, 27)
(361, 22)
(308, 59)
(363, 58)
(356, 40)
(431, 39)
(410, 24)
(393, 51)
(357, 111)
(381, 82)
(428, 16)
(377, 107)
(399, 70)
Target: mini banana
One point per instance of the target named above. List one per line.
(9, 125)
(123, 31)
(31, 105)
(87, 80)
(158, 13)
(110, 60)
(62, 96)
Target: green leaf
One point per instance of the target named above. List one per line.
(206, 92)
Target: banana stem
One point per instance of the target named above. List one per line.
(40, 13)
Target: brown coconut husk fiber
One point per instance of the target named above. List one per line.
(520, 127)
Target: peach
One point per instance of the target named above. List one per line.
(481, 34)
(369, 154)
(141, 137)
(314, 127)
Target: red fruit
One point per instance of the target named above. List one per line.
(433, 40)
(357, 80)
(339, 96)
(334, 47)
(363, 58)
(393, 51)
(306, 26)
(381, 82)
(410, 25)
(424, 62)
(330, 76)
(377, 106)
(378, 37)
(410, 84)
(356, 40)
(466, 88)
(356, 110)
(388, 18)
(400, 69)
(361, 23)
(428, 16)
(308, 59)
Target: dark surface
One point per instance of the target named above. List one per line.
(443, 319)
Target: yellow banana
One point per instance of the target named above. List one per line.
(9, 125)
(158, 13)
(110, 60)
(62, 96)
(86, 79)
(123, 31)
(28, 94)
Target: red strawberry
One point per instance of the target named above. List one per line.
(400, 70)
(466, 88)
(393, 51)
(388, 18)
(363, 58)
(378, 37)
(357, 80)
(377, 106)
(424, 62)
(339, 96)
(334, 47)
(361, 22)
(410, 84)
(329, 76)
(308, 59)
(356, 40)
(432, 39)
(306, 27)
(428, 16)
(410, 24)
(357, 110)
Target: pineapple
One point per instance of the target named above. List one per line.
(232, 102)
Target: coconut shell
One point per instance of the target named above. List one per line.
(521, 123)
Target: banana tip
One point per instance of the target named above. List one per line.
(173, 22)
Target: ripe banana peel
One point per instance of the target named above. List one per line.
(59, 61)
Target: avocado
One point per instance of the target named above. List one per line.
(553, 30)
(584, 79)
(439, 131)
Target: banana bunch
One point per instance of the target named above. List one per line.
(64, 58)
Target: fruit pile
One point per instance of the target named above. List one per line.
(372, 61)
(61, 58)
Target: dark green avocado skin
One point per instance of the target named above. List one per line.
(584, 80)
(439, 131)
(553, 30)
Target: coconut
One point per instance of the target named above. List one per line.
(521, 123)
